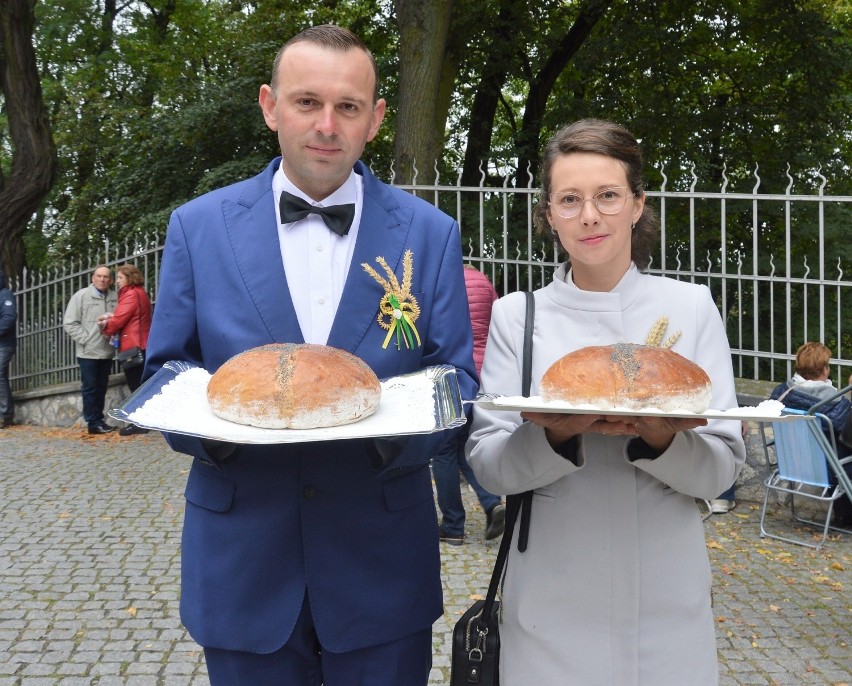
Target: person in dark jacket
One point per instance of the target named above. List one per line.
(8, 347)
(808, 386)
(450, 459)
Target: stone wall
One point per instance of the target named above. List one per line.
(62, 405)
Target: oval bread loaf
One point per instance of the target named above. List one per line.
(294, 386)
(628, 376)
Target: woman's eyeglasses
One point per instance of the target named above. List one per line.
(608, 201)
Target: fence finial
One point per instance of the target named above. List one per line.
(824, 180)
(789, 185)
(757, 185)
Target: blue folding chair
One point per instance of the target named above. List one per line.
(806, 457)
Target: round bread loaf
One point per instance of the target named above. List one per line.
(628, 376)
(294, 386)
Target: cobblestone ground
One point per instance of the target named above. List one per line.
(89, 569)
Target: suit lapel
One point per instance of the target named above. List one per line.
(382, 233)
(253, 232)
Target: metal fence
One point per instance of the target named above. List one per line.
(764, 256)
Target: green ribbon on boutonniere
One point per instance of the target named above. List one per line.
(398, 309)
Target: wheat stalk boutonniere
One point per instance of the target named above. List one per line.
(658, 330)
(398, 309)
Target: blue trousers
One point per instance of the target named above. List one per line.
(302, 661)
(7, 409)
(446, 466)
(94, 380)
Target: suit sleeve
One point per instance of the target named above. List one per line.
(174, 334)
(449, 341)
(174, 330)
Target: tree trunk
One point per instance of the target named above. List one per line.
(423, 103)
(528, 141)
(484, 107)
(33, 167)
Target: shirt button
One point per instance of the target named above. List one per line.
(321, 300)
(320, 247)
(309, 492)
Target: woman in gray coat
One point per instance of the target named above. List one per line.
(614, 587)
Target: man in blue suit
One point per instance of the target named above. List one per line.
(312, 563)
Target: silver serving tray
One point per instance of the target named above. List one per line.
(416, 403)
(767, 411)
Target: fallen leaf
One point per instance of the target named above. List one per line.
(131, 611)
(774, 608)
(714, 544)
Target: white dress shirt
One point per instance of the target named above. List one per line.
(316, 260)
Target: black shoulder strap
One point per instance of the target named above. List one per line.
(525, 498)
(519, 504)
(529, 325)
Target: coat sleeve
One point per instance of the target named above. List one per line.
(72, 322)
(8, 314)
(506, 454)
(705, 462)
(123, 313)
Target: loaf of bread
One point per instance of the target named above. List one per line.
(628, 376)
(294, 386)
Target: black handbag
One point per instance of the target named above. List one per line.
(130, 358)
(475, 658)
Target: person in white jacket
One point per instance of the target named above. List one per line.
(614, 586)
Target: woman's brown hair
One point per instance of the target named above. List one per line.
(603, 138)
(131, 273)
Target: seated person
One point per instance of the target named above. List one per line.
(808, 386)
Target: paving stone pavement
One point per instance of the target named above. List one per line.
(89, 575)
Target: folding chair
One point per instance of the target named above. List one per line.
(805, 459)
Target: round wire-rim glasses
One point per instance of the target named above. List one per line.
(607, 201)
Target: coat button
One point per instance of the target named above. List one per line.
(309, 492)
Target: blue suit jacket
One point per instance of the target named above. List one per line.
(274, 522)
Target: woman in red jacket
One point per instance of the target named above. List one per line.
(131, 322)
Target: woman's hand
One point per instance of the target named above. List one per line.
(657, 432)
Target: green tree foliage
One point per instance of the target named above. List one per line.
(153, 102)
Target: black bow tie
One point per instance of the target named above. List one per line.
(338, 218)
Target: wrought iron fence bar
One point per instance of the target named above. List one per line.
(499, 237)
